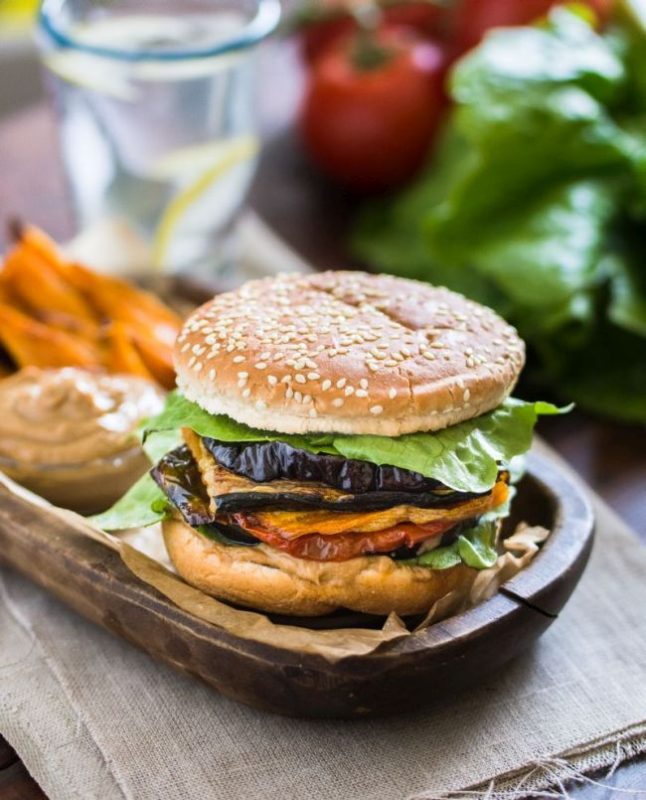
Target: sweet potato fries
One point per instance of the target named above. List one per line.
(56, 313)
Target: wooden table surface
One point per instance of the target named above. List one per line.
(314, 218)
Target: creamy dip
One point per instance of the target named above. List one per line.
(69, 434)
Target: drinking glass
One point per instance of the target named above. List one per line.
(155, 101)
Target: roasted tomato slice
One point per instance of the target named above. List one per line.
(342, 546)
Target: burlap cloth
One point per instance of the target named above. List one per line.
(93, 718)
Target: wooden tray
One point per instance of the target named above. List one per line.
(93, 580)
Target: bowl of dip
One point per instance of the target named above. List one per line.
(69, 435)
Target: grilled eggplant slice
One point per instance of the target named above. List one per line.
(231, 492)
(178, 476)
(263, 462)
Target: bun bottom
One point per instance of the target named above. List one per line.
(268, 579)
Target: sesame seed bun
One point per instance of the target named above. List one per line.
(346, 352)
(268, 579)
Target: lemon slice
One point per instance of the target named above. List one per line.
(91, 72)
(206, 164)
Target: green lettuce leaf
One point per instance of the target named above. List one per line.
(439, 558)
(143, 504)
(476, 548)
(182, 413)
(464, 457)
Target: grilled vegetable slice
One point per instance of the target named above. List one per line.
(231, 492)
(294, 524)
(341, 547)
(178, 476)
(262, 462)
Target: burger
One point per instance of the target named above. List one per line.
(339, 440)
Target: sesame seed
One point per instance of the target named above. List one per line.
(341, 383)
(300, 378)
(392, 393)
(212, 374)
(198, 366)
(272, 380)
(349, 390)
(313, 412)
(307, 399)
(466, 395)
(261, 365)
(243, 376)
(298, 397)
(313, 376)
(361, 393)
(327, 384)
(289, 392)
(338, 402)
(260, 405)
(376, 409)
(191, 361)
(363, 383)
(246, 392)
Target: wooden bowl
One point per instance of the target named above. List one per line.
(400, 675)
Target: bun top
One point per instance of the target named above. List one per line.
(346, 352)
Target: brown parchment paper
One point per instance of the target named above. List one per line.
(143, 552)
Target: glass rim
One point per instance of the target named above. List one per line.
(263, 23)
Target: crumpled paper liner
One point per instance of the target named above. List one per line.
(143, 552)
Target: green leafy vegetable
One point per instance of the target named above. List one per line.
(182, 413)
(144, 504)
(464, 457)
(476, 548)
(536, 202)
(439, 558)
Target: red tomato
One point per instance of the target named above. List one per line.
(342, 546)
(473, 18)
(370, 127)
